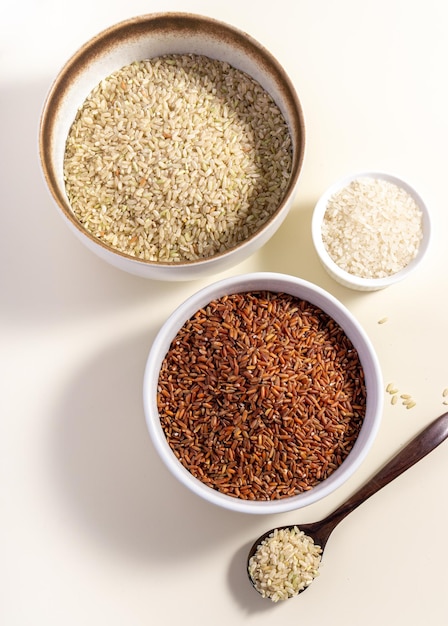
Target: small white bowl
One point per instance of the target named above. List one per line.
(142, 38)
(350, 280)
(306, 291)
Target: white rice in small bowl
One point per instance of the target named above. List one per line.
(370, 230)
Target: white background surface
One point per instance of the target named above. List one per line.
(93, 529)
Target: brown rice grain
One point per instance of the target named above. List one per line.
(285, 563)
(391, 389)
(176, 158)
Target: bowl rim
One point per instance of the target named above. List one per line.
(341, 274)
(277, 282)
(143, 24)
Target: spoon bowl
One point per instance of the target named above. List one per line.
(319, 532)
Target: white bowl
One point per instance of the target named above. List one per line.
(143, 38)
(350, 280)
(306, 291)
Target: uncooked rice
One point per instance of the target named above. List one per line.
(261, 395)
(177, 158)
(445, 396)
(406, 398)
(285, 563)
(372, 228)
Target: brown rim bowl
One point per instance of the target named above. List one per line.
(142, 38)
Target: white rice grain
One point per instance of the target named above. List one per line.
(372, 228)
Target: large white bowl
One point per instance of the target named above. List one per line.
(306, 291)
(142, 38)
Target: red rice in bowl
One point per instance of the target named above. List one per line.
(244, 411)
(261, 395)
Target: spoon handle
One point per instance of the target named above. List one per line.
(428, 439)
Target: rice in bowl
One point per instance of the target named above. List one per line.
(177, 158)
(259, 373)
(261, 395)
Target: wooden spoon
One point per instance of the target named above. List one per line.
(428, 439)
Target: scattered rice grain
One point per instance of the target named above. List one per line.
(391, 389)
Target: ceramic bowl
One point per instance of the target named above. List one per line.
(342, 276)
(143, 38)
(306, 291)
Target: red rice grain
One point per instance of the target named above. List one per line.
(261, 395)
